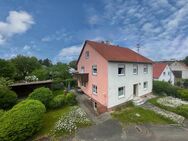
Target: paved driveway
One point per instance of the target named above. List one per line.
(111, 130)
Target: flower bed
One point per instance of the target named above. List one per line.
(171, 102)
(70, 122)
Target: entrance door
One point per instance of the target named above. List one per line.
(135, 90)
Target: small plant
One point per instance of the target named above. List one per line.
(42, 94)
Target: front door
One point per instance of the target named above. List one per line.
(135, 90)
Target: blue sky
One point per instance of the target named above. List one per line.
(56, 29)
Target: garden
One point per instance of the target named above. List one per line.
(44, 112)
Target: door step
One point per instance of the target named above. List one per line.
(138, 101)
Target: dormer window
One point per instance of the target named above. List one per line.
(87, 54)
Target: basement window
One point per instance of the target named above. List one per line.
(94, 89)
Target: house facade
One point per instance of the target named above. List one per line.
(111, 75)
(162, 72)
(179, 69)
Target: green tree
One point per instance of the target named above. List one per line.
(60, 71)
(186, 60)
(73, 64)
(25, 65)
(46, 62)
(42, 73)
(7, 69)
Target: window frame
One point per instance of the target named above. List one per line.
(94, 66)
(94, 89)
(120, 66)
(123, 95)
(145, 67)
(136, 69)
(87, 54)
(145, 88)
(82, 70)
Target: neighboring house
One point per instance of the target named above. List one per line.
(179, 69)
(162, 72)
(111, 75)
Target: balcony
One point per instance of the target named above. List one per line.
(82, 77)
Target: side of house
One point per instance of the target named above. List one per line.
(123, 85)
(162, 72)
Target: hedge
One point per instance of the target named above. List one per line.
(42, 94)
(22, 121)
(8, 98)
(57, 101)
(161, 88)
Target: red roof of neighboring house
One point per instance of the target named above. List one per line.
(116, 53)
(158, 69)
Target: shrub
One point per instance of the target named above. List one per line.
(1, 113)
(183, 93)
(161, 87)
(7, 98)
(42, 94)
(57, 101)
(71, 99)
(22, 121)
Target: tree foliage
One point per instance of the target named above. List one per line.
(42, 73)
(73, 64)
(7, 69)
(186, 60)
(46, 62)
(25, 65)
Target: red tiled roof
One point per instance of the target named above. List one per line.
(158, 69)
(116, 53)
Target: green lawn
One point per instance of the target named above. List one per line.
(181, 110)
(137, 115)
(50, 118)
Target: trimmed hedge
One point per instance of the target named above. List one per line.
(8, 98)
(183, 93)
(164, 88)
(57, 101)
(71, 99)
(22, 121)
(42, 94)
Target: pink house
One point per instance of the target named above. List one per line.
(111, 75)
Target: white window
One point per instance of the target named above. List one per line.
(94, 89)
(94, 69)
(135, 69)
(82, 69)
(145, 85)
(164, 73)
(121, 69)
(121, 92)
(168, 73)
(145, 68)
(87, 54)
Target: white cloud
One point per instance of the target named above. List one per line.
(16, 23)
(69, 53)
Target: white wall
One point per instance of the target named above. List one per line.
(167, 77)
(179, 66)
(115, 81)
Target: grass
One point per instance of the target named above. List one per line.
(50, 118)
(137, 115)
(181, 110)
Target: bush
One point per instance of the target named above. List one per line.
(161, 87)
(71, 99)
(22, 121)
(58, 101)
(183, 94)
(42, 94)
(7, 98)
(1, 113)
